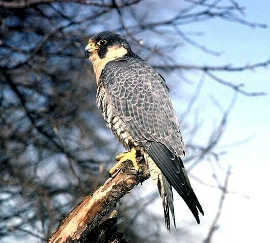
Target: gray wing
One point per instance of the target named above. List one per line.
(140, 98)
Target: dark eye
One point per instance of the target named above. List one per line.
(102, 42)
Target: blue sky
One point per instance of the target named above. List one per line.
(244, 217)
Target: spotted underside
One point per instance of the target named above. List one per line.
(120, 130)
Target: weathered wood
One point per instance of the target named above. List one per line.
(94, 208)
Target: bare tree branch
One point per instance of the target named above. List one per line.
(209, 70)
(222, 68)
(236, 87)
(214, 138)
(28, 3)
(52, 139)
(92, 210)
(214, 225)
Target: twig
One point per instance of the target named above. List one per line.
(215, 136)
(28, 3)
(210, 70)
(30, 232)
(214, 225)
(205, 68)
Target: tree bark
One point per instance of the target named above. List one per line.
(95, 209)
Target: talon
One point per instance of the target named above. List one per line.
(122, 157)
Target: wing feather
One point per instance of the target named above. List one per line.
(176, 177)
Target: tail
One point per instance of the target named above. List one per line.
(175, 175)
(165, 191)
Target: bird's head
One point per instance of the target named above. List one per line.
(104, 47)
(107, 43)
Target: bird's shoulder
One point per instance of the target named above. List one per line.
(131, 71)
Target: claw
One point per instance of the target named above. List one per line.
(122, 157)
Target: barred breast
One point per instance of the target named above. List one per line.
(113, 121)
(120, 130)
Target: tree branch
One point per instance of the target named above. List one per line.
(94, 209)
(223, 68)
(28, 3)
(214, 225)
(209, 70)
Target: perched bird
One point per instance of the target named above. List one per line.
(134, 100)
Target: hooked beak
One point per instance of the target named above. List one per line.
(91, 46)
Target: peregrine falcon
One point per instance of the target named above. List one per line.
(135, 103)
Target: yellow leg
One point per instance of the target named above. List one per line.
(122, 157)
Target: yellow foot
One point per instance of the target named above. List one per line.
(122, 157)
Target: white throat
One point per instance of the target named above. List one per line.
(113, 53)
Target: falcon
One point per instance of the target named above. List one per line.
(135, 103)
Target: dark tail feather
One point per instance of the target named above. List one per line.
(165, 191)
(173, 169)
